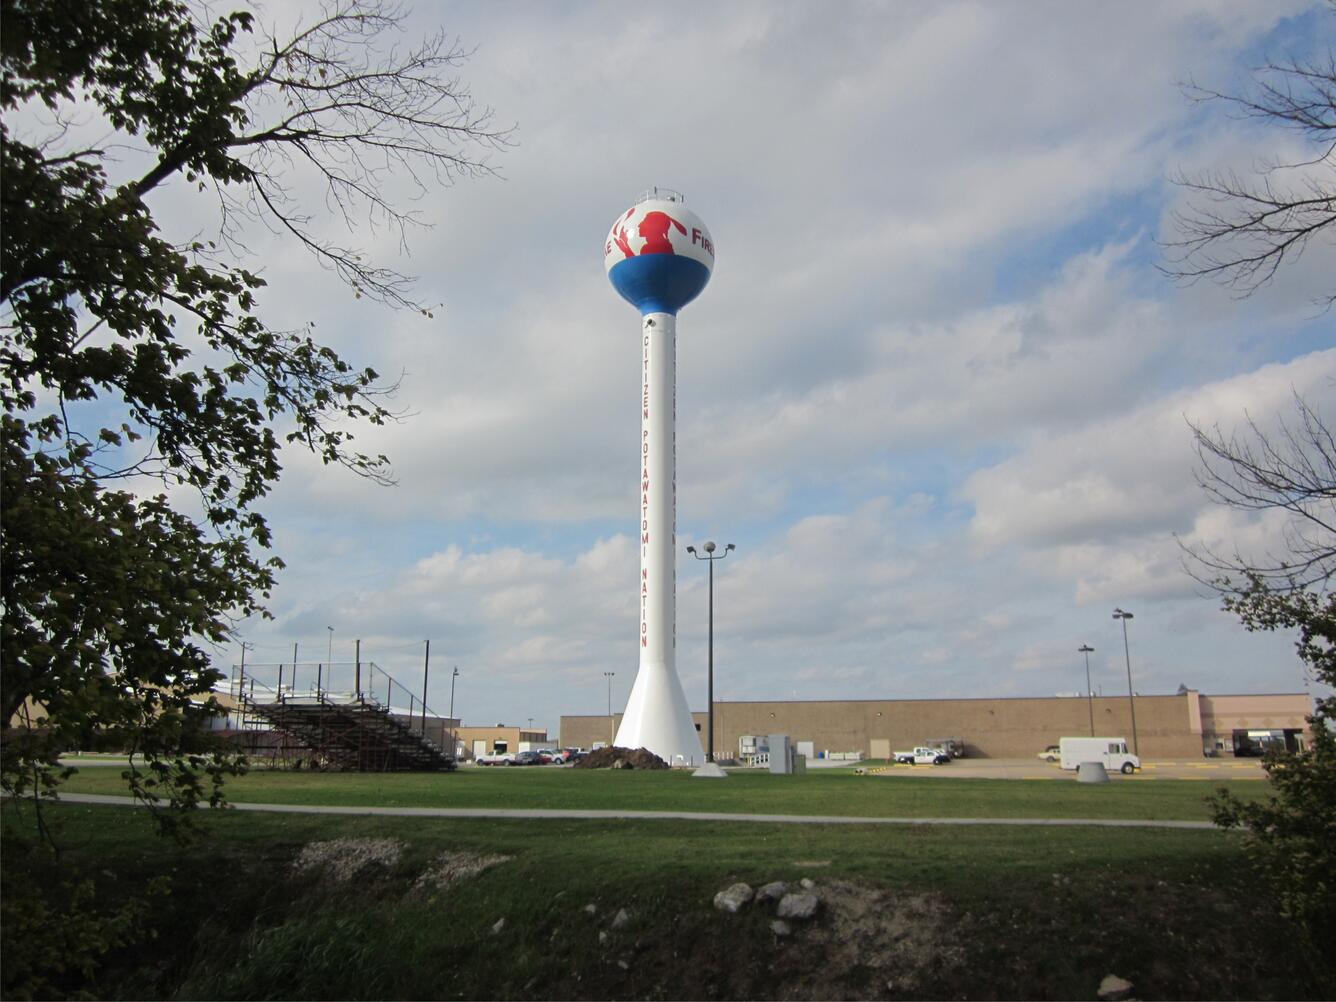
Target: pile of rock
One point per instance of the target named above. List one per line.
(621, 758)
(345, 858)
(1114, 989)
(452, 867)
(790, 905)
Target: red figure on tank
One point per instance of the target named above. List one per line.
(619, 234)
(654, 228)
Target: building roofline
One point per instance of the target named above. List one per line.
(975, 699)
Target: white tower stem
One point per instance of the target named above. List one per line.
(657, 716)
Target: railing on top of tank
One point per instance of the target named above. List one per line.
(662, 194)
(340, 682)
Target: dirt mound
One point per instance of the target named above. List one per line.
(621, 758)
(906, 942)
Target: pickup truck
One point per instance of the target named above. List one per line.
(923, 756)
(495, 758)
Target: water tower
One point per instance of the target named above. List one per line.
(659, 257)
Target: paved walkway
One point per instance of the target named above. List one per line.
(799, 819)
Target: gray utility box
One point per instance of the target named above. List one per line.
(1092, 772)
(784, 757)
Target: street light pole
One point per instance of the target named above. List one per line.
(241, 682)
(1131, 696)
(330, 659)
(711, 558)
(612, 737)
(454, 731)
(1090, 696)
(426, 661)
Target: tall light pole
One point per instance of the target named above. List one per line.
(330, 659)
(426, 661)
(241, 682)
(1086, 649)
(454, 732)
(608, 675)
(711, 558)
(1131, 696)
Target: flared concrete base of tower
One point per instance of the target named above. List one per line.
(657, 718)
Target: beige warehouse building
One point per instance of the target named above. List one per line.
(1187, 725)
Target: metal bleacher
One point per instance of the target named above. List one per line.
(354, 729)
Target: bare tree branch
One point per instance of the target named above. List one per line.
(1240, 231)
(1291, 470)
(361, 121)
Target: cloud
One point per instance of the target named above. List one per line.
(936, 391)
(1102, 504)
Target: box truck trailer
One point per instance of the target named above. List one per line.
(1111, 751)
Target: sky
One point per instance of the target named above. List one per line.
(937, 392)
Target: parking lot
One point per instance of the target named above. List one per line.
(1034, 769)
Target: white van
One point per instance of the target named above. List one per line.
(1111, 751)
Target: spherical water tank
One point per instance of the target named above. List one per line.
(659, 255)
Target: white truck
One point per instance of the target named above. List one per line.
(1110, 751)
(922, 755)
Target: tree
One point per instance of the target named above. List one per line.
(1240, 231)
(108, 594)
(1291, 834)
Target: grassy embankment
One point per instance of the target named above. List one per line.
(1007, 912)
(833, 792)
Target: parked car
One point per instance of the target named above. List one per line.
(955, 747)
(1051, 754)
(923, 755)
(529, 758)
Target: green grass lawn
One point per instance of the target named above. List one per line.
(834, 792)
(1016, 913)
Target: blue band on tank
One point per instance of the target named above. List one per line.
(659, 283)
